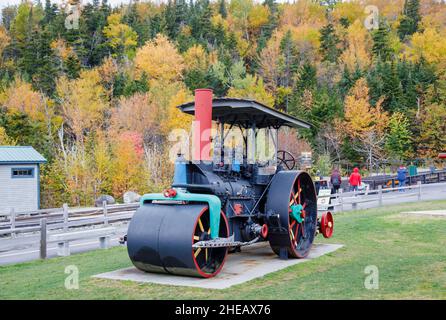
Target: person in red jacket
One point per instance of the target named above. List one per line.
(355, 180)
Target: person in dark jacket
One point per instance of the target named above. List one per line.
(401, 176)
(355, 180)
(335, 180)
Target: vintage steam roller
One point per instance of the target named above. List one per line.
(233, 198)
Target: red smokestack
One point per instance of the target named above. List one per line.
(203, 124)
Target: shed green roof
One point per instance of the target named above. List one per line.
(20, 155)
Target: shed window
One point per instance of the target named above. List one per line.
(22, 172)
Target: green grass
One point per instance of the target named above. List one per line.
(409, 251)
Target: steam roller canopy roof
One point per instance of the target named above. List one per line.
(246, 112)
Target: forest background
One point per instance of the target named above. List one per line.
(94, 88)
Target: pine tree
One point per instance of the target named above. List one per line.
(268, 29)
(392, 89)
(381, 47)
(329, 44)
(289, 65)
(222, 9)
(409, 23)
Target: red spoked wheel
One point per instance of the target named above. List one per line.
(208, 261)
(292, 196)
(296, 215)
(327, 225)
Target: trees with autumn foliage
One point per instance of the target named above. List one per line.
(100, 101)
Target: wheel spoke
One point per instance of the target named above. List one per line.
(298, 190)
(196, 238)
(297, 231)
(200, 224)
(197, 252)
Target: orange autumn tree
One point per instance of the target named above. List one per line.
(365, 124)
(128, 167)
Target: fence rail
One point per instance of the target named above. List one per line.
(392, 181)
(342, 199)
(61, 220)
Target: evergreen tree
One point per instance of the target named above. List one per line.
(329, 44)
(289, 64)
(392, 89)
(381, 48)
(409, 23)
(222, 9)
(306, 78)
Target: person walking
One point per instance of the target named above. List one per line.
(335, 180)
(401, 176)
(355, 180)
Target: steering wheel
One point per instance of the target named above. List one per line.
(286, 158)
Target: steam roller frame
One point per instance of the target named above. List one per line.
(160, 239)
(293, 197)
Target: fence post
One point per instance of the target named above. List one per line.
(43, 238)
(341, 202)
(419, 190)
(104, 207)
(65, 217)
(12, 219)
(380, 195)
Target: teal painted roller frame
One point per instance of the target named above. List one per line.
(213, 202)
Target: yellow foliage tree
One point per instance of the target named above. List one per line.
(353, 11)
(4, 42)
(430, 45)
(121, 37)
(197, 58)
(364, 123)
(176, 118)
(258, 16)
(128, 171)
(101, 167)
(159, 59)
(5, 140)
(269, 62)
(357, 53)
(20, 97)
(303, 12)
(83, 102)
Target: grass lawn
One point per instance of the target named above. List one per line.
(409, 251)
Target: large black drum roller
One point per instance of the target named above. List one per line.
(160, 239)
